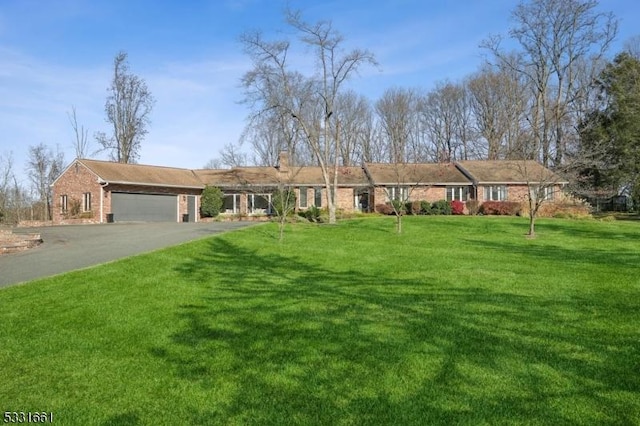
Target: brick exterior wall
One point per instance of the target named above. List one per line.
(520, 193)
(345, 198)
(430, 194)
(74, 183)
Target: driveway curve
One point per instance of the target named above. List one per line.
(70, 247)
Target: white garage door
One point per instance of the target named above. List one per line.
(129, 207)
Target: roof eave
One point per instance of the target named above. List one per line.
(115, 182)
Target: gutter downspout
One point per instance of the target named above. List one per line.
(468, 175)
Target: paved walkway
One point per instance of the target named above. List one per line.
(67, 248)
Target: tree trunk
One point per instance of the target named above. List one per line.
(282, 224)
(532, 224)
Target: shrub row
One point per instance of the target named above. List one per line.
(501, 208)
(441, 207)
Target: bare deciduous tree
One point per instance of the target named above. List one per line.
(553, 35)
(632, 46)
(81, 135)
(498, 101)
(128, 108)
(310, 101)
(43, 167)
(232, 156)
(397, 112)
(440, 118)
(213, 163)
(6, 177)
(271, 132)
(353, 114)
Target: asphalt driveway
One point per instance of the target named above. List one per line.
(67, 248)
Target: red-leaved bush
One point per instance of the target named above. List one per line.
(503, 208)
(457, 207)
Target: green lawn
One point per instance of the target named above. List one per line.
(459, 320)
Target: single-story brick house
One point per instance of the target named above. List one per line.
(101, 191)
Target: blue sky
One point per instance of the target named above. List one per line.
(59, 53)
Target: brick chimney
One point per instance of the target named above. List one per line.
(283, 162)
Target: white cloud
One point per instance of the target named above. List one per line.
(196, 109)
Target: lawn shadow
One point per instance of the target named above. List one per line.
(566, 255)
(277, 339)
(597, 230)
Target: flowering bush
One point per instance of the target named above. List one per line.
(457, 207)
(502, 208)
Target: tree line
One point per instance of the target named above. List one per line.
(549, 98)
(555, 97)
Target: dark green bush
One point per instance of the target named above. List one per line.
(312, 214)
(442, 207)
(425, 207)
(211, 201)
(283, 202)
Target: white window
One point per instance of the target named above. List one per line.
(64, 200)
(495, 193)
(259, 203)
(86, 202)
(399, 193)
(459, 193)
(302, 200)
(547, 192)
(317, 197)
(231, 203)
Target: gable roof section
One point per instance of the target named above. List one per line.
(415, 174)
(508, 172)
(139, 174)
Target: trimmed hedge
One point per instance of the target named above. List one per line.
(442, 207)
(501, 208)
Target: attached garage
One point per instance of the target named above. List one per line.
(134, 207)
